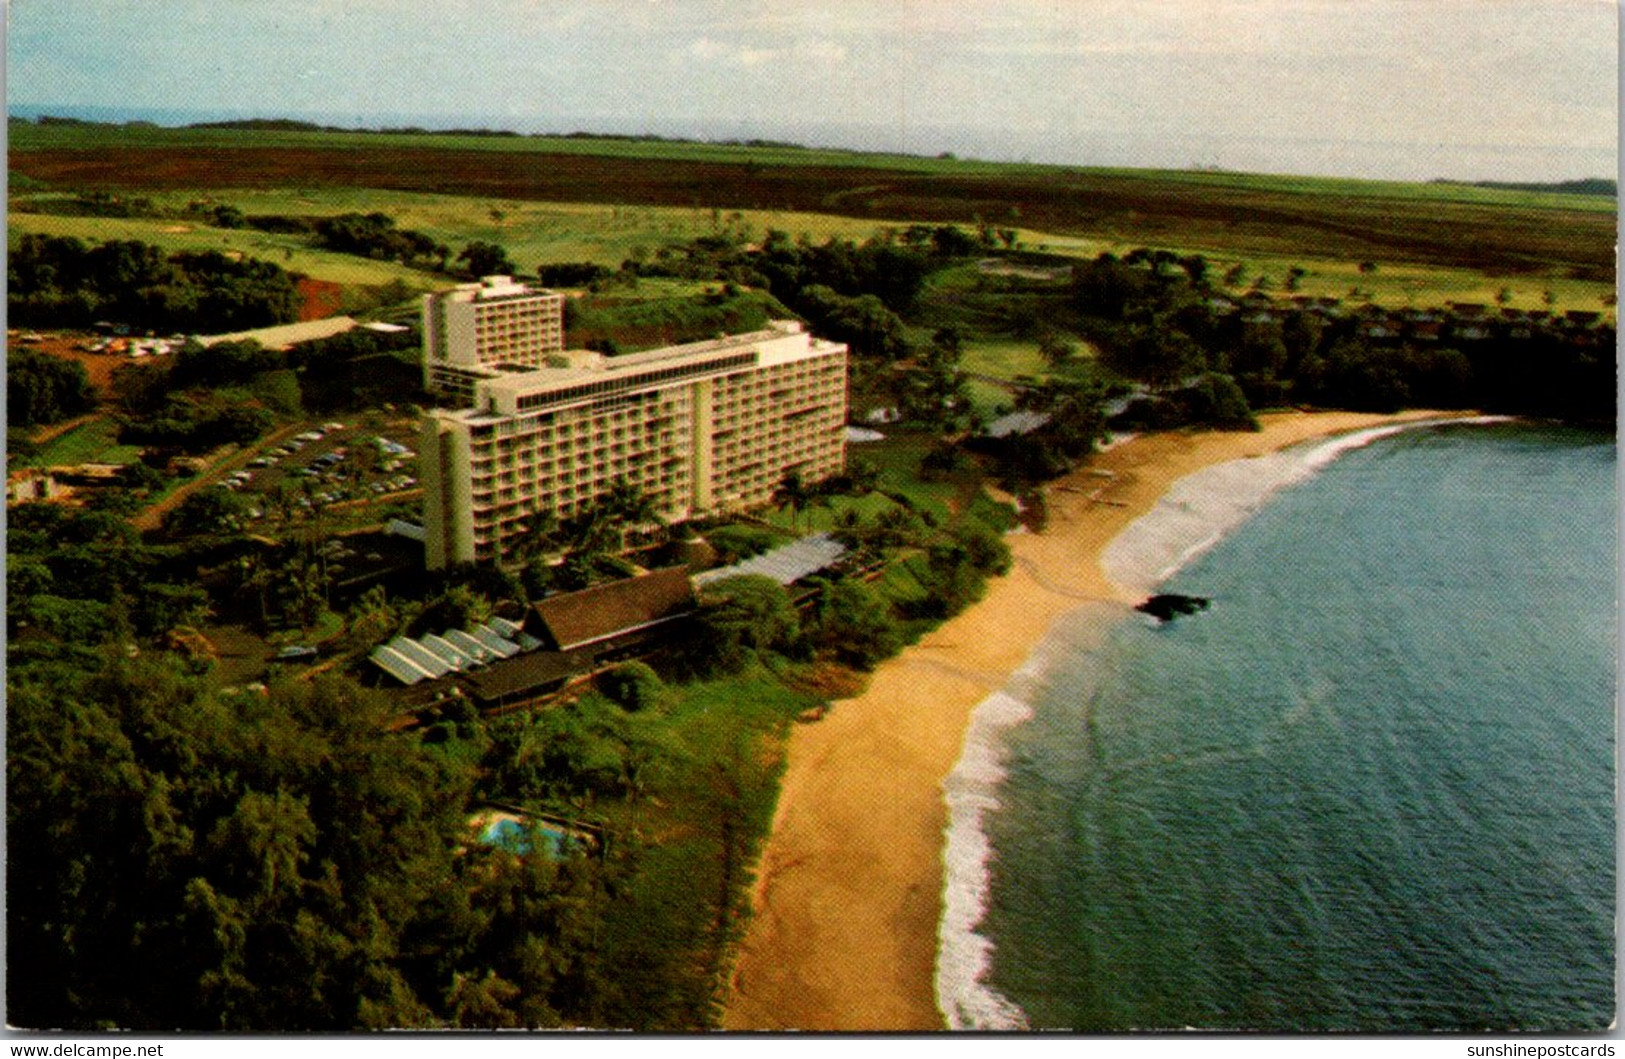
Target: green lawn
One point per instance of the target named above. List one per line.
(95, 441)
(1396, 285)
(292, 252)
(898, 458)
(1005, 358)
(822, 518)
(533, 233)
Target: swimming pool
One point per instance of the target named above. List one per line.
(517, 837)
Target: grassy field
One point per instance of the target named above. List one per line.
(94, 441)
(291, 252)
(25, 137)
(561, 199)
(1510, 233)
(533, 233)
(29, 137)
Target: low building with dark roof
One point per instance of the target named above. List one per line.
(522, 678)
(605, 615)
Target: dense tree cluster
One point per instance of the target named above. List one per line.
(188, 857)
(486, 259)
(850, 292)
(76, 577)
(44, 389)
(613, 324)
(90, 204)
(374, 235)
(191, 856)
(228, 393)
(571, 273)
(1157, 319)
(60, 281)
(358, 369)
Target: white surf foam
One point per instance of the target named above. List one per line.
(964, 957)
(1201, 509)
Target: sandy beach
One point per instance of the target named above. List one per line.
(848, 896)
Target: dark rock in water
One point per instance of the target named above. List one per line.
(1169, 606)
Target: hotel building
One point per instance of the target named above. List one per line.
(476, 330)
(703, 427)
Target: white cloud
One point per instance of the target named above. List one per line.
(706, 49)
(821, 51)
(747, 56)
(813, 51)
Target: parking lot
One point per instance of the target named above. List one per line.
(336, 464)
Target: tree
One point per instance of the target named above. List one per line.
(1159, 354)
(1352, 375)
(1218, 401)
(373, 618)
(853, 625)
(984, 549)
(540, 535)
(458, 607)
(938, 391)
(863, 476)
(863, 322)
(45, 389)
(740, 616)
(950, 580)
(632, 685)
(209, 511)
(1106, 286)
(792, 494)
(1262, 349)
(486, 259)
(629, 507)
(1055, 348)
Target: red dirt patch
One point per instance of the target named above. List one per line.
(318, 299)
(99, 366)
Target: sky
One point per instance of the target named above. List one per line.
(1403, 89)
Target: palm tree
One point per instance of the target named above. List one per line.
(816, 497)
(792, 493)
(539, 536)
(629, 506)
(589, 531)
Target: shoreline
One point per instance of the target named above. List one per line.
(849, 888)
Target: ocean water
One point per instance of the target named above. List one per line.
(1370, 789)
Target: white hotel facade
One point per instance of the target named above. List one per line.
(703, 427)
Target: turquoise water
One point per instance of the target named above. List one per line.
(1370, 789)
(519, 838)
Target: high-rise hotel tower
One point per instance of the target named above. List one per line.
(495, 324)
(703, 427)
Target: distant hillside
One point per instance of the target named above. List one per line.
(265, 125)
(296, 125)
(1589, 186)
(292, 125)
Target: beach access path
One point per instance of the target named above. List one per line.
(849, 886)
